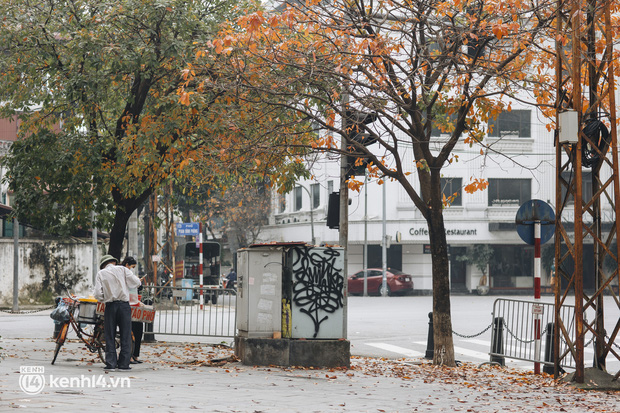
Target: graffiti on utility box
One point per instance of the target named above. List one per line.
(318, 288)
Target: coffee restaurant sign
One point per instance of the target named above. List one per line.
(423, 231)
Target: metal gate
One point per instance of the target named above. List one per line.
(178, 312)
(514, 335)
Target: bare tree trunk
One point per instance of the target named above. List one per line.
(124, 208)
(117, 233)
(442, 321)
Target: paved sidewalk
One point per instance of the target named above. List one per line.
(181, 377)
(177, 377)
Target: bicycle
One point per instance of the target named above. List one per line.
(95, 340)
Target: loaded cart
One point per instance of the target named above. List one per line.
(85, 317)
(139, 312)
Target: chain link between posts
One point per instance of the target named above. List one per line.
(526, 341)
(29, 311)
(518, 339)
(453, 332)
(541, 334)
(473, 335)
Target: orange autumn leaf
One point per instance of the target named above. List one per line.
(477, 184)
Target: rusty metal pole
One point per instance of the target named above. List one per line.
(173, 242)
(558, 278)
(558, 192)
(578, 221)
(595, 106)
(614, 164)
(153, 238)
(587, 22)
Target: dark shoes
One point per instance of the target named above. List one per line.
(109, 368)
(124, 368)
(135, 361)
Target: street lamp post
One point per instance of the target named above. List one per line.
(384, 246)
(311, 211)
(366, 233)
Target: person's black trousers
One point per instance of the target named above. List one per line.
(138, 329)
(117, 314)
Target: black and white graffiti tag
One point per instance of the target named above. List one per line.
(317, 283)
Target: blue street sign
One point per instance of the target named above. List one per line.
(530, 212)
(188, 228)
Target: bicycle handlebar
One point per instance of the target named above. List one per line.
(69, 296)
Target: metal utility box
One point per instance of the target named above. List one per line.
(568, 127)
(259, 292)
(314, 286)
(291, 290)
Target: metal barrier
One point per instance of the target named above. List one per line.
(514, 336)
(178, 311)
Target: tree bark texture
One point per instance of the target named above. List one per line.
(442, 321)
(124, 208)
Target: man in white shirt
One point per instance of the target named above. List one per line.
(112, 286)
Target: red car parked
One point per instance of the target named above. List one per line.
(397, 282)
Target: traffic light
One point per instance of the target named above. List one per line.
(356, 170)
(333, 210)
(354, 121)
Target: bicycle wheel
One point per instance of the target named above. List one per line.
(99, 341)
(117, 345)
(60, 340)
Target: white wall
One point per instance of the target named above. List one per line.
(68, 261)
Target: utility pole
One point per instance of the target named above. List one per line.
(153, 244)
(366, 233)
(384, 244)
(15, 265)
(343, 231)
(169, 247)
(311, 196)
(95, 254)
(150, 242)
(586, 130)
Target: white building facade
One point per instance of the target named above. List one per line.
(521, 168)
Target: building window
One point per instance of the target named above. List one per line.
(586, 186)
(315, 189)
(8, 226)
(330, 187)
(451, 187)
(513, 192)
(511, 266)
(298, 198)
(282, 202)
(394, 256)
(516, 123)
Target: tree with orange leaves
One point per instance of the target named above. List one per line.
(414, 66)
(108, 114)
